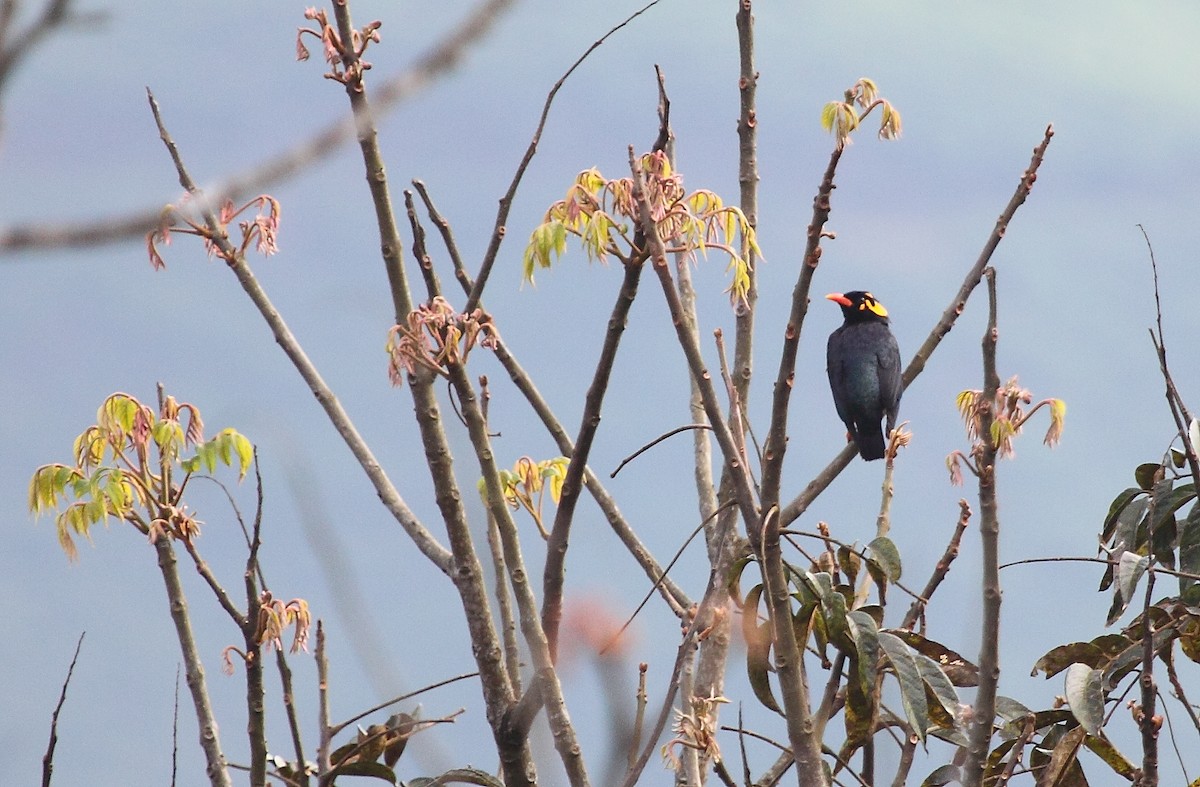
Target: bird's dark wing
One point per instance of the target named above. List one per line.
(890, 384)
(835, 362)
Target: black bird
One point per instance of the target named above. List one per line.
(863, 361)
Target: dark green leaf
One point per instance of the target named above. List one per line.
(946, 774)
(375, 770)
(960, 671)
(734, 582)
(884, 552)
(1145, 473)
(458, 776)
(849, 562)
(1114, 511)
(912, 688)
(1189, 548)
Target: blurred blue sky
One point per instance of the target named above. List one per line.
(976, 83)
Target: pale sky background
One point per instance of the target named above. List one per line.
(976, 83)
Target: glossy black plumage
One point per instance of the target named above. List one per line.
(863, 361)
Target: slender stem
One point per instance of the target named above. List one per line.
(210, 742)
(48, 757)
(1179, 410)
(802, 501)
(917, 610)
(508, 622)
(980, 733)
(883, 524)
(691, 348)
(289, 704)
(489, 257)
(789, 659)
(553, 575)
(702, 620)
(324, 727)
(777, 435)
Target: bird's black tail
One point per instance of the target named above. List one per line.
(870, 444)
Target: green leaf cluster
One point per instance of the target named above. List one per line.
(124, 465)
(926, 672)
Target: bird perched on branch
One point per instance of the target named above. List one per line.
(863, 361)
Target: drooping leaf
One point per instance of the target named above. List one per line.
(758, 650)
(943, 775)
(958, 669)
(912, 688)
(861, 700)
(884, 551)
(1060, 770)
(1130, 568)
(375, 770)
(1106, 751)
(1119, 504)
(458, 776)
(1084, 690)
(1189, 547)
(849, 562)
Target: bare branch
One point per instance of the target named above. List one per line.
(662, 437)
(980, 732)
(48, 757)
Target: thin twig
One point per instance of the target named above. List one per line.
(504, 607)
(1014, 755)
(489, 257)
(1173, 677)
(776, 445)
(1179, 410)
(801, 502)
(650, 594)
(48, 758)
(554, 572)
(639, 715)
(289, 705)
(337, 728)
(917, 610)
(701, 621)
(744, 492)
(665, 436)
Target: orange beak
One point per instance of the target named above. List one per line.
(838, 298)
